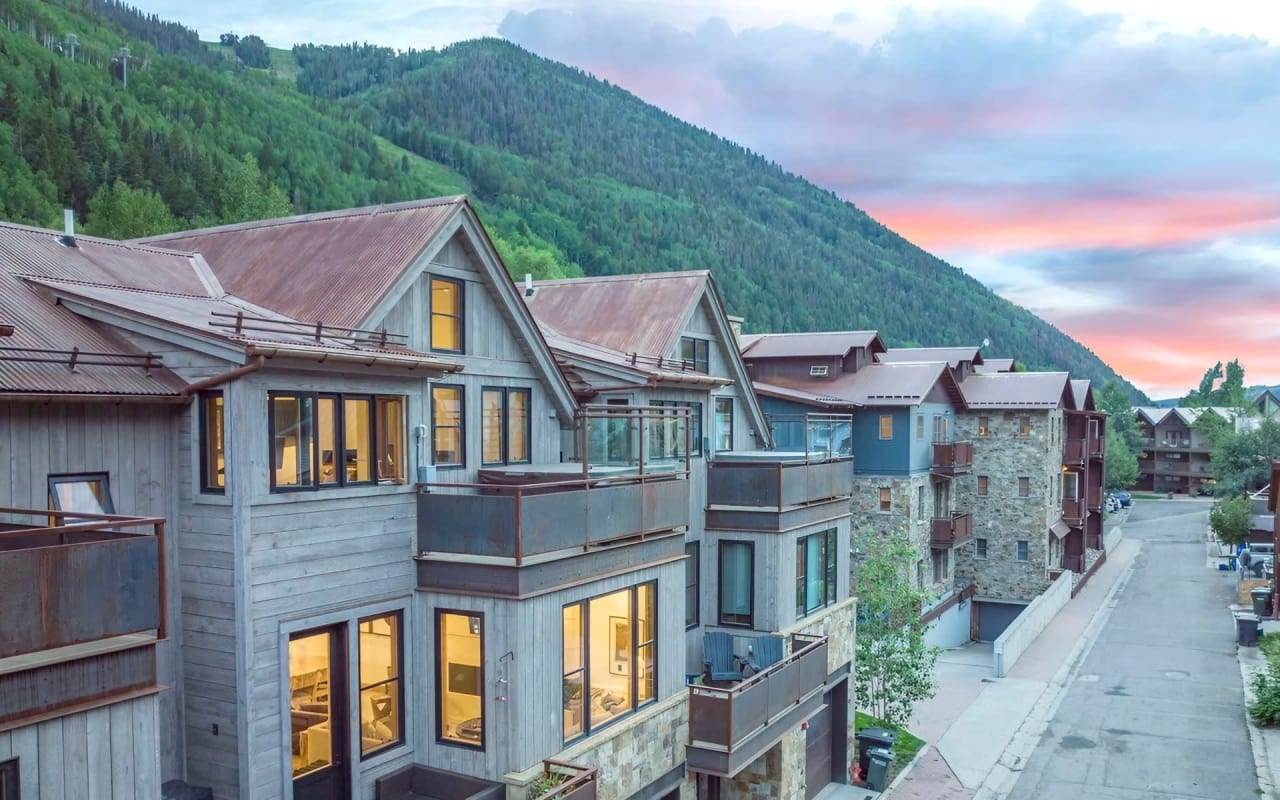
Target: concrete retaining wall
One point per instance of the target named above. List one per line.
(1111, 539)
(1033, 619)
(952, 628)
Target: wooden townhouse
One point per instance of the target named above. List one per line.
(328, 507)
(1175, 455)
(903, 410)
(767, 540)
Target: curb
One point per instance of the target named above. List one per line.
(925, 748)
(1252, 662)
(1002, 778)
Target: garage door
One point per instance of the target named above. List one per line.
(993, 618)
(817, 752)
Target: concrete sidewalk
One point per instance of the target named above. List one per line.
(982, 727)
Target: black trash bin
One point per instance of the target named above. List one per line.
(869, 738)
(1247, 629)
(878, 771)
(1261, 601)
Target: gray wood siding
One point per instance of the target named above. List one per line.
(134, 444)
(527, 726)
(108, 753)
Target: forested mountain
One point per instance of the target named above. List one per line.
(571, 175)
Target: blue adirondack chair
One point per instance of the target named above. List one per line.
(762, 653)
(717, 654)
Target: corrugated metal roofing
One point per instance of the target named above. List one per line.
(876, 384)
(332, 266)
(642, 314)
(41, 324)
(1017, 390)
(821, 344)
(952, 355)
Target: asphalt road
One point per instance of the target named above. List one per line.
(1156, 709)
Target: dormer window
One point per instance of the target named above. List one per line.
(818, 371)
(446, 315)
(695, 354)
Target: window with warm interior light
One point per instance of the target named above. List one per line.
(447, 426)
(446, 315)
(815, 572)
(460, 680)
(886, 426)
(984, 426)
(311, 701)
(1024, 425)
(886, 499)
(381, 657)
(329, 440)
(504, 426)
(609, 657)
(213, 443)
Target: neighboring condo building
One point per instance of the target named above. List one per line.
(1175, 455)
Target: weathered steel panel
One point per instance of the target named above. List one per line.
(78, 592)
(48, 688)
(482, 525)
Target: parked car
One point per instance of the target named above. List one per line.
(1122, 497)
(1112, 503)
(1257, 557)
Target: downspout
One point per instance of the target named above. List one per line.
(226, 377)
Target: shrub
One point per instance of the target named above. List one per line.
(1265, 708)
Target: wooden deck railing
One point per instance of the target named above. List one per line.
(952, 458)
(952, 530)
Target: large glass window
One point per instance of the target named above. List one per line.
(213, 443)
(815, 572)
(724, 423)
(446, 315)
(504, 421)
(609, 657)
(668, 434)
(322, 440)
(88, 492)
(447, 431)
(460, 678)
(311, 663)
(695, 354)
(692, 568)
(381, 691)
(737, 579)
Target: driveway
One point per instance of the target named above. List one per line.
(1156, 709)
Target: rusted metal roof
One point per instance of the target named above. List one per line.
(1043, 390)
(53, 351)
(876, 385)
(996, 365)
(641, 314)
(952, 355)
(333, 266)
(823, 344)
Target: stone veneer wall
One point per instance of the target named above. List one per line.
(629, 755)
(780, 773)
(1002, 517)
(868, 518)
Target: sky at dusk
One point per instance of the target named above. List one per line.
(1112, 166)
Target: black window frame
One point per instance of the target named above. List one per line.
(1024, 425)
(826, 540)
(10, 783)
(715, 423)
(701, 354)
(399, 680)
(692, 602)
(980, 548)
(695, 421)
(1022, 550)
(432, 314)
(584, 616)
(982, 486)
(505, 424)
(462, 426)
(206, 399)
(442, 684)
(54, 479)
(721, 617)
(339, 433)
(1024, 481)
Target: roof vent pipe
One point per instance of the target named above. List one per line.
(68, 237)
(528, 284)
